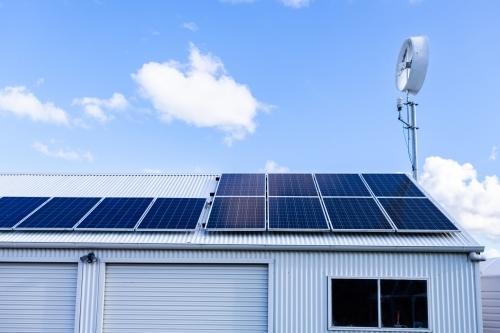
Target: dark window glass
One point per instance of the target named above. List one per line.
(354, 302)
(404, 303)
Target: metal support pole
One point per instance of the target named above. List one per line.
(414, 128)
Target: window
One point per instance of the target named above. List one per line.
(378, 303)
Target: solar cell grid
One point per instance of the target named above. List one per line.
(298, 185)
(173, 213)
(59, 213)
(416, 214)
(242, 185)
(14, 209)
(356, 214)
(238, 213)
(287, 213)
(392, 185)
(337, 185)
(116, 213)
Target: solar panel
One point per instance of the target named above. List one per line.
(416, 215)
(116, 213)
(234, 184)
(173, 214)
(14, 209)
(293, 185)
(356, 214)
(340, 185)
(59, 213)
(296, 214)
(392, 185)
(238, 213)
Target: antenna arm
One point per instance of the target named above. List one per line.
(408, 126)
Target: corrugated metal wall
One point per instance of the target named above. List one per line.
(491, 303)
(300, 282)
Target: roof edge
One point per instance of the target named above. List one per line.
(242, 247)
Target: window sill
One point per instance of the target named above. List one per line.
(377, 329)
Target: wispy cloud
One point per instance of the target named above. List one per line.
(200, 93)
(67, 154)
(191, 26)
(101, 109)
(474, 203)
(39, 82)
(296, 3)
(493, 155)
(155, 33)
(273, 167)
(147, 170)
(21, 102)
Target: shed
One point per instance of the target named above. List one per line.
(232, 253)
(490, 292)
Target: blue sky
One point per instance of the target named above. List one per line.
(249, 86)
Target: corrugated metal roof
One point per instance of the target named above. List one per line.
(81, 185)
(189, 186)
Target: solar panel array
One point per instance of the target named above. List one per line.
(247, 202)
(322, 202)
(67, 213)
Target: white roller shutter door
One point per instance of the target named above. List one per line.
(185, 298)
(37, 297)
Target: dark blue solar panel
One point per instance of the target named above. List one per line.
(116, 213)
(238, 213)
(342, 185)
(59, 213)
(14, 209)
(416, 214)
(287, 184)
(356, 214)
(392, 185)
(296, 214)
(173, 213)
(242, 185)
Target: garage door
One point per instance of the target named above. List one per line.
(37, 297)
(185, 298)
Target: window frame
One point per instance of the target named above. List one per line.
(331, 327)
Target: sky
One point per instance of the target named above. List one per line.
(101, 86)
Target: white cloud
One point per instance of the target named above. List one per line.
(19, 101)
(493, 155)
(295, 3)
(147, 170)
(96, 108)
(68, 154)
(200, 93)
(155, 33)
(474, 203)
(273, 167)
(39, 82)
(191, 26)
(492, 253)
